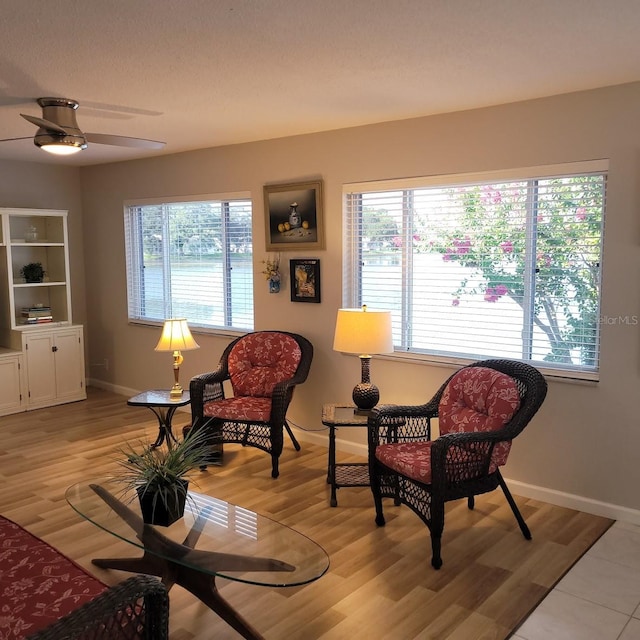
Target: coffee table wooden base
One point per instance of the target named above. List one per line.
(157, 560)
(201, 585)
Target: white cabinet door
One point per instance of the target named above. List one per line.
(10, 384)
(55, 366)
(41, 369)
(69, 361)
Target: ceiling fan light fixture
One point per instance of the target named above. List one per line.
(58, 132)
(60, 145)
(60, 149)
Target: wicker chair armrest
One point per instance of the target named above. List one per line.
(393, 411)
(137, 608)
(459, 457)
(400, 423)
(214, 377)
(281, 397)
(452, 439)
(204, 388)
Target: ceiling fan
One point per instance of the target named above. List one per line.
(58, 130)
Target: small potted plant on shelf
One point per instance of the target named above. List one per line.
(160, 474)
(33, 272)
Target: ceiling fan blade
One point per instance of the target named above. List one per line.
(45, 124)
(12, 139)
(123, 141)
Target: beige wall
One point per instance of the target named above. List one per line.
(585, 440)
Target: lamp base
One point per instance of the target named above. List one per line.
(365, 396)
(176, 390)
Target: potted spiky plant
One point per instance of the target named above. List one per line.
(160, 474)
(33, 272)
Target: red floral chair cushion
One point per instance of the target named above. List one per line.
(242, 409)
(476, 399)
(256, 364)
(38, 585)
(411, 459)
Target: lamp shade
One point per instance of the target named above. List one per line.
(176, 336)
(363, 332)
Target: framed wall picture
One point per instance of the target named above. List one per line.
(305, 280)
(293, 216)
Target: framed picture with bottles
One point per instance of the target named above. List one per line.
(293, 216)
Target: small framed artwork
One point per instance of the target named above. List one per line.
(305, 280)
(293, 216)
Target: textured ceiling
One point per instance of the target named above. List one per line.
(203, 73)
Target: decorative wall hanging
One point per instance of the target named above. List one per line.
(271, 272)
(305, 280)
(293, 216)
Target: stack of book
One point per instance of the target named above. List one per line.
(36, 315)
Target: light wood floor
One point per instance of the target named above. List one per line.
(380, 585)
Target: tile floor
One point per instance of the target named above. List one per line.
(599, 599)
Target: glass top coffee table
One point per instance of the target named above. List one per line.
(214, 538)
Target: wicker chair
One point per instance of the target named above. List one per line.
(136, 609)
(263, 368)
(480, 408)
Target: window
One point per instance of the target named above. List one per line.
(505, 265)
(191, 259)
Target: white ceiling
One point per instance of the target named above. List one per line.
(204, 73)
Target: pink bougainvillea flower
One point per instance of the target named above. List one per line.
(501, 290)
(446, 256)
(507, 246)
(544, 258)
(490, 196)
(581, 214)
(396, 241)
(490, 295)
(455, 302)
(462, 245)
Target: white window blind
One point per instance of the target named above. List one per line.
(484, 267)
(191, 259)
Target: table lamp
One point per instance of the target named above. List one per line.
(176, 337)
(364, 332)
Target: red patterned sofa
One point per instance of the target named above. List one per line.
(45, 595)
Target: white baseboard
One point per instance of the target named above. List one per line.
(551, 496)
(114, 388)
(123, 391)
(572, 501)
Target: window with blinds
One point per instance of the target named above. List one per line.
(191, 259)
(493, 266)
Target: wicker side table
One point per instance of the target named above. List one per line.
(351, 474)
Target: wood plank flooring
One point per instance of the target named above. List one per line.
(380, 585)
